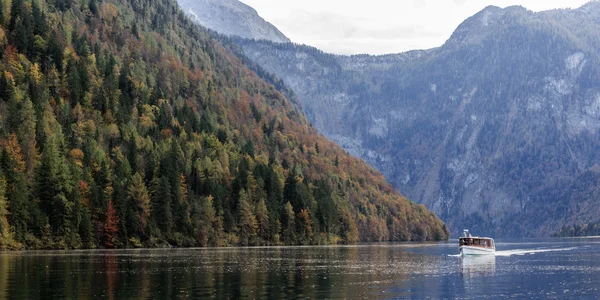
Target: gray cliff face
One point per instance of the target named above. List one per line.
(233, 18)
(497, 130)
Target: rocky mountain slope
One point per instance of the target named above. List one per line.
(233, 18)
(497, 130)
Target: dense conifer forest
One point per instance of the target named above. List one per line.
(578, 230)
(123, 124)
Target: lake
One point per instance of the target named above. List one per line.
(550, 268)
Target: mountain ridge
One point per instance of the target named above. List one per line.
(232, 17)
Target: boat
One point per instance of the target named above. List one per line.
(474, 245)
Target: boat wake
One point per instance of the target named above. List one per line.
(530, 251)
(506, 253)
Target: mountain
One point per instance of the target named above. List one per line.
(233, 18)
(124, 124)
(497, 130)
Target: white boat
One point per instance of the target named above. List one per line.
(474, 245)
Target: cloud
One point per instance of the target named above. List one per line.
(350, 35)
(379, 26)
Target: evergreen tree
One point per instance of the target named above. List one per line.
(289, 230)
(295, 192)
(86, 229)
(93, 6)
(274, 194)
(53, 187)
(262, 218)
(7, 88)
(101, 191)
(180, 206)
(23, 26)
(26, 133)
(16, 190)
(140, 197)
(247, 222)
(39, 20)
(120, 195)
(326, 208)
(161, 208)
(132, 155)
(6, 239)
(205, 229)
(2, 15)
(305, 228)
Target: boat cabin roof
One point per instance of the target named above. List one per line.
(475, 238)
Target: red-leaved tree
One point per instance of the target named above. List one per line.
(111, 226)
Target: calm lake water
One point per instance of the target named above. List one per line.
(557, 268)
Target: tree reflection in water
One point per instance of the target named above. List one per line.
(277, 272)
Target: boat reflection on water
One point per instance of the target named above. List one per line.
(477, 265)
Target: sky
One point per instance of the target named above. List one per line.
(380, 26)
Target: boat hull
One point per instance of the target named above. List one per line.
(470, 250)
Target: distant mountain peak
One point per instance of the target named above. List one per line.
(482, 23)
(233, 18)
(591, 7)
(487, 14)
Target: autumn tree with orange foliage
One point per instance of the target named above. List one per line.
(111, 226)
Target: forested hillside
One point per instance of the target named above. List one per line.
(575, 230)
(125, 125)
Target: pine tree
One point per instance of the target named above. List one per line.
(217, 233)
(139, 196)
(39, 20)
(75, 84)
(100, 194)
(120, 195)
(26, 134)
(274, 191)
(180, 206)
(161, 208)
(207, 217)
(132, 155)
(7, 87)
(294, 191)
(247, 222)
(289, 230)
(53, 187)
(93, 6)
(22, 32)
(305, 228)
(16, 190)
(6, 239)
(2, 17)
(262, 218)
(325, 207)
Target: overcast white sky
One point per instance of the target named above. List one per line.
(379, 26)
